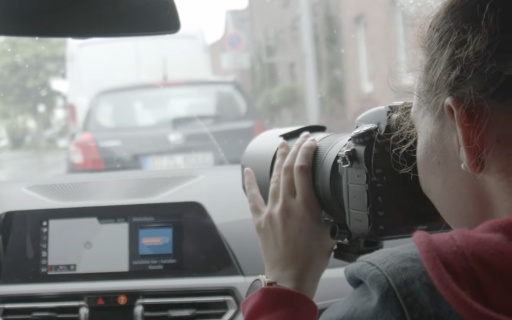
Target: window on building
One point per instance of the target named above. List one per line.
(401, 46)
(294, 30)
(270, 43)
(363, 54)
(271, 74)
(293, 72)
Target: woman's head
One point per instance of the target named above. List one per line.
(463, 111)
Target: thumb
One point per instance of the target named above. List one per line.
(256, 202)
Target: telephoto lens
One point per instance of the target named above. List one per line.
(365, 181)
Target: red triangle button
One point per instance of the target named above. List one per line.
(100, 301)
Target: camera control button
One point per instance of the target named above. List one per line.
(359, 221)
(357, 176)
(358, 199)
(364, 134)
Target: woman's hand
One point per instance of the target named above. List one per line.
(294, 241)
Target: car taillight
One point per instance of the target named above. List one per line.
(259, 127)
(84, 155)
(72, 114)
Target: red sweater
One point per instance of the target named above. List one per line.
(472, 269)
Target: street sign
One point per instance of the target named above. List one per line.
(235, 41)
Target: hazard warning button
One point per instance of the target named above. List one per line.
(99, 301)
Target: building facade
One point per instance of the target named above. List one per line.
(364, 56)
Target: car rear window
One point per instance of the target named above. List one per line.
(160, 105)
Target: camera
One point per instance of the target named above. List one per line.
(366, 182)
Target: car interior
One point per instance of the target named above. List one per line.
(151, 221)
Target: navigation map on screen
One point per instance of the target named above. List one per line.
(86, 245)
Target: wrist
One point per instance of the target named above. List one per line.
(308, 290)
(303, 285)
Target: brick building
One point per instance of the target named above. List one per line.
(364, 54)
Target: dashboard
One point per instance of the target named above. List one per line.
(115, 242)
(132, 245)
(126, 242)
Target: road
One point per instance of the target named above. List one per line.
(31, 164)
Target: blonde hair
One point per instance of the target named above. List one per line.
(468, 54)
(467, 49)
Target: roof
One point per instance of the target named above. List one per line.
(171, 84)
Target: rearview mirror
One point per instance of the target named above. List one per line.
(87, 18)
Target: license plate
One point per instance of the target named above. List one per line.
(178, 161)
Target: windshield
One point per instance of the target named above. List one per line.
(197, 98)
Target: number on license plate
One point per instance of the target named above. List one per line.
(178, 161)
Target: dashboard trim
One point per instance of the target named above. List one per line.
(231, 303)
(182, 284)
(83, 311)
(33, 305)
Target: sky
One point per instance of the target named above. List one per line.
(209, 15)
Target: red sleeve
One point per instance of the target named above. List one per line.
(274, 303)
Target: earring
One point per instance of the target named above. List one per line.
(463, 166)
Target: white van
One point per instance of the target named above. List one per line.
(96, 65)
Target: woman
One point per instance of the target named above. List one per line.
(462, 118)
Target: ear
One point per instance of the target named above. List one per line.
(470, 121)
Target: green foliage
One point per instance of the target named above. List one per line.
(261, 79)
(26, 65)
(286, 95)
(274, 100)
(16, 128)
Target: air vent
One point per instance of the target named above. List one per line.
(193, 308)
(110, 190)
(44, 310)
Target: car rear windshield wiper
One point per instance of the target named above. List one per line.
(199, 119)
(186, 120)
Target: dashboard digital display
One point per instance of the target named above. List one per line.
(92, 245)
(155, 241)
(118, 242)
(87, 245)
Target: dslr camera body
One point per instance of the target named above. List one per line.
(366, 182)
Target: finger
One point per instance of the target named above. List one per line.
(275, 182)
(256, 203)
(288, 181)
(303, 172)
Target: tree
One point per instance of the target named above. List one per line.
(275, 101)
(26, 66)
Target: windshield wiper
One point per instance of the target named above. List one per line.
(186, 120)
(181, 121)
